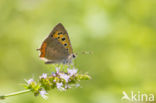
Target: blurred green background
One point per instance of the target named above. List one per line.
(120, 33)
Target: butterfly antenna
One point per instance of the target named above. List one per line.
(87, 52)
(84, 52)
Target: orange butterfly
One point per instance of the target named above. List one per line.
(56, 48)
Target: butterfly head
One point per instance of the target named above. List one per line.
(74, 56)
(71, 57)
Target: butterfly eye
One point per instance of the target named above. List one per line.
(63, 39)
(74, 56)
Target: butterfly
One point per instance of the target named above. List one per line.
(56, 48)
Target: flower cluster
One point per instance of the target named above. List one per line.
(62, 80)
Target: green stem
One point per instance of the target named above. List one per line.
(14, 94)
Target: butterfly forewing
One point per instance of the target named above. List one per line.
(61, 35)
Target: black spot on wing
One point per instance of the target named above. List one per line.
(63, 39)
(65, 44)
(59, 33)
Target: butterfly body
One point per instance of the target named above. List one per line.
(56, 48)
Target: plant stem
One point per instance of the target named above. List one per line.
(14, 94)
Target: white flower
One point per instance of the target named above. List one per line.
(44, 75)
(29, 81)
(64, 76)
(72, 71)
(57, 69)
(53, 74)
(43, 94)
(54, 80)
(59, 86)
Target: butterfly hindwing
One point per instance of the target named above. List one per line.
(53, 51)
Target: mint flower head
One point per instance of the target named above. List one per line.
(62, 79)
(29, 81)
(64, 76)
(44, 75)
(43, 94)
(72, 71)
(53, 74)
(57, 69)
(60, 86)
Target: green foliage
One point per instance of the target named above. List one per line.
(120, 33)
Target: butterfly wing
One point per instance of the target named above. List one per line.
(61, 35)
(56, 47)
(53, 51)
